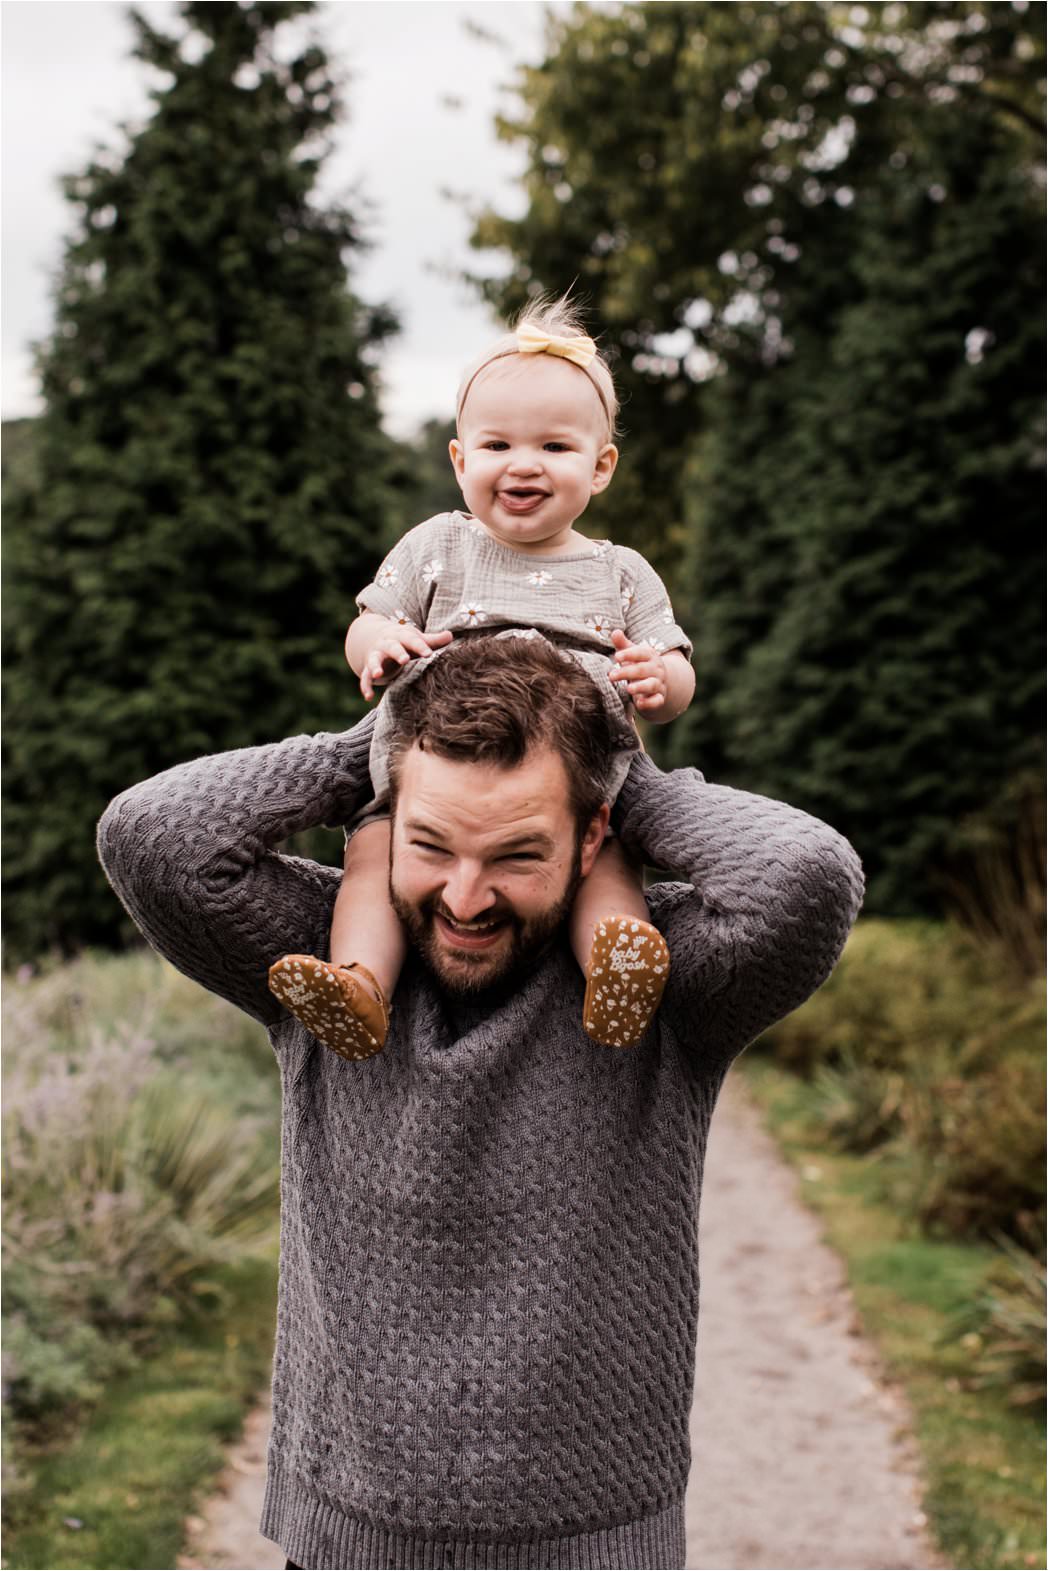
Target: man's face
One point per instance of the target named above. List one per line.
(485, 862)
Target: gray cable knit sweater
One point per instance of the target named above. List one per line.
(489, 1264)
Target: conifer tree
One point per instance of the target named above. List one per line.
(211, 470)
(868, 528)
(814, 234)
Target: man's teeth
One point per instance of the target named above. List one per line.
(470, 927)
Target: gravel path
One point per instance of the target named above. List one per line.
(802, 1451)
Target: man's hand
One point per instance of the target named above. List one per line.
(643, 670)
(392, 649)
(661, 686)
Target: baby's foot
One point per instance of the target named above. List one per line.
(628, 968)
(342, 1006)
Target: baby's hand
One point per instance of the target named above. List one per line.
(392, 650)
(642, 669)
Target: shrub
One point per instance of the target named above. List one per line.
(126, 1179)
(1006, 1329)
(972, 1151)
(903, 991)
(859, 1105)
(924, 1049)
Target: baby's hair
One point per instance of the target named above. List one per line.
(558, 318)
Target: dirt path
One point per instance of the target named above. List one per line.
(802, 1456)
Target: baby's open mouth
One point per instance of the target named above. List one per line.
(519, 499)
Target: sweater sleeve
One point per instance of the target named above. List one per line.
(774, 893)
(192, 855)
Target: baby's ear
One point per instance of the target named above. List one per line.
(457, 454)
(604, 468)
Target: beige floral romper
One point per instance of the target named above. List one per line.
(450, 573)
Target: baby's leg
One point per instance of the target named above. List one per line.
(623, 957)
(365, 929)
(345, 1004)
(614, 887)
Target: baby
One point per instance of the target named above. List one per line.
(536, 421)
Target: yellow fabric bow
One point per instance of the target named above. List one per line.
(530, 341)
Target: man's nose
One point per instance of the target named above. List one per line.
(468, 892)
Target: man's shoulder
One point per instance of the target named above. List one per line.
(664, 897)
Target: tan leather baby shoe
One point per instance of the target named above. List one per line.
(342, 1006)
(628, 968)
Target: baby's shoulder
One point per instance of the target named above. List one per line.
(442, 533)
(629, 563)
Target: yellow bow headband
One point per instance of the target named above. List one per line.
(532, 341)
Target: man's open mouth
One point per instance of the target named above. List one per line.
(470, 935)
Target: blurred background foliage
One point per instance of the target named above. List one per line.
(811, 237)
(209, 483)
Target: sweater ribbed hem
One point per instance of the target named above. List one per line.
(317, 1535)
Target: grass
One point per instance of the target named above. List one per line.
(117, 1492)
(983, 1458)
(140, 1161)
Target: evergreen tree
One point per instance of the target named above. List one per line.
(211, 469)
(813, 233)
(423, 477)
(868, 529)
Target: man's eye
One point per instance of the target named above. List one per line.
(520, 856)
(429, 848)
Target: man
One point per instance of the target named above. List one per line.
(489, 1275)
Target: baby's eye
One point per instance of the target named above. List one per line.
(556, 447)
(495, 446)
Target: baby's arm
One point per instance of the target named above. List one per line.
(661, 685)
(377, 647)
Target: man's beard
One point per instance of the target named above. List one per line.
(477, 973)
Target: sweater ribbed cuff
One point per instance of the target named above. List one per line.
(316, 1535)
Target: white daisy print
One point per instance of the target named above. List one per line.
(539, 578)
(667, 612)
(601, 547)
(387, 577)
(402, 619)
(432, 570)
(627, 593)
(471, 615)
(657, 644)
(599, 625)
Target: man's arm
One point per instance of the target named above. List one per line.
(775, 893)
(191, 855)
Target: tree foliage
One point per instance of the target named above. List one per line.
(813, 233)
(209, 473)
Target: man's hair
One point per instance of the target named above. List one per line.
(492, 700)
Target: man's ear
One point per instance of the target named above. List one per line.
(458, 458)
(593, 839)
(604, 468)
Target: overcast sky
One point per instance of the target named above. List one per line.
(68, 84)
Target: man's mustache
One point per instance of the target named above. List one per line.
(495, 913)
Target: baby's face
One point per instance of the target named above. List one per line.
(532, 450)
